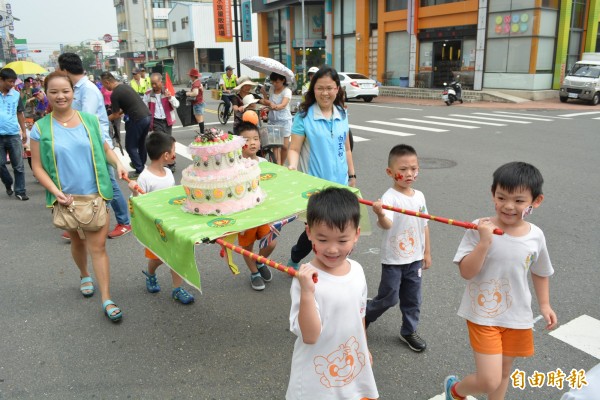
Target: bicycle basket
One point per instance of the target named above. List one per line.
(271, 135)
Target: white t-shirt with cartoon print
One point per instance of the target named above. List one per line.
(404, 242)
(338, 365)
(499, 295)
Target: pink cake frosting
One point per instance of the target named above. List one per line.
(220, 181)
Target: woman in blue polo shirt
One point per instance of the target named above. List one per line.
(320, 144)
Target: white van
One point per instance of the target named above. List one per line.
(583, 80)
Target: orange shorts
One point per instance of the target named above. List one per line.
(249, 236)
(499, 340)
(150, 255)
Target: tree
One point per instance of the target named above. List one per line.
(88, 57)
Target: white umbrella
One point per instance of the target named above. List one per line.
(267, 65)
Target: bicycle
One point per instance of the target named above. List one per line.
(221, 110)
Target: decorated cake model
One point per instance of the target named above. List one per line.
(220, 181)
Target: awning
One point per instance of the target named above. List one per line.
(150, 64)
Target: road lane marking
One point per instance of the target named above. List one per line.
(370, 129)
(531, 115)
(443, 397)
(439, 123)
(489, 119)
(578, 114)
(515, 116)
(468, 122)
(583, 333)
(359, 139)
(395, 108)
(421, 128)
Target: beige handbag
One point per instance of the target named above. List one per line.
(85, 213)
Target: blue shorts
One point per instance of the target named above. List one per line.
(199, 109)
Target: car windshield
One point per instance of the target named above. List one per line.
(356, 76)
(587, 71)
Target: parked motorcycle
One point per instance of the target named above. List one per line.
(452, 92)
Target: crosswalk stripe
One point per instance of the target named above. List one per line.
(421, 128)
(489, 119)
(438, 123)
(375, 130)
(443, 397)
(531, 115)
(359, 138)
(182, 150)
(578, 114)
(516, 116)
(596, 118)
(462, 120)
(583, 333)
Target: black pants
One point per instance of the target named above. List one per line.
(302, 248)
(161, 126)
(227, 100)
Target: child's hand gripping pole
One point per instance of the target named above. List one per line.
(137, 187)
(467, 225)
(288, 270)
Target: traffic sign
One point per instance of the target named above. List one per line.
(107, 38)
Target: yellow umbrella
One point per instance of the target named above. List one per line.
(26, 68)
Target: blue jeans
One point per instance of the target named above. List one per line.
(399, 283)
(12, 145)
(135, 142)
(118, 203)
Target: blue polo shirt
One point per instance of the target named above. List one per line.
(10, 105)
(323, 152)
(88, 98)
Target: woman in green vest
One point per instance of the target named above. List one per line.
(69, 156)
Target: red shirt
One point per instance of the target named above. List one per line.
(200, 96)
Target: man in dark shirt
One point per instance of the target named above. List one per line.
(137, 121)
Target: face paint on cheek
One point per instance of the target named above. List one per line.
(527, 211)
(245, 146)
(398, 177)
(416, 174)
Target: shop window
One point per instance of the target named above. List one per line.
(394, 5)
(344, 35)
(545, 55)
(276, 35)
(426, 3)
(397, 46)
(314, 21)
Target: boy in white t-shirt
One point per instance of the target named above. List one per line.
(259, 272)
(161, 151)
(405, 251)
(497, 301)
(331, 358)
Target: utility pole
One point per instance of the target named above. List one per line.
(237, 36)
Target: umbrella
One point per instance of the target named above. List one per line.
(26, 68)
(267, 65)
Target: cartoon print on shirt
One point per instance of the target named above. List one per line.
(490, 299)
(404, 244)
(529, 260)
(342, 366)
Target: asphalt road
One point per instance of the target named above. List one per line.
(234, 343)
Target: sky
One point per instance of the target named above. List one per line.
(48, 23)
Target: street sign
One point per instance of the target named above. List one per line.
(97, 49)
(107, 38)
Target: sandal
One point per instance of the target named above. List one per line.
(111, 313)
(182, 295)
(87, 290)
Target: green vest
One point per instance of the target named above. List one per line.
(48, 157)
(230, 83)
